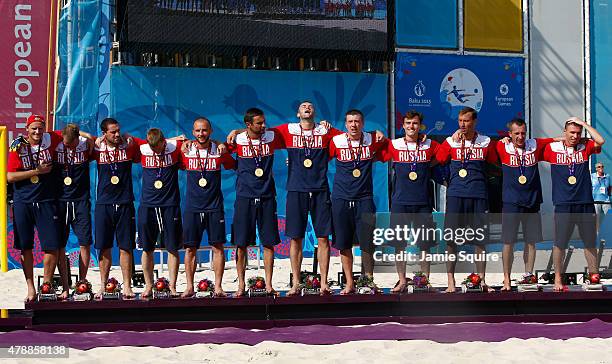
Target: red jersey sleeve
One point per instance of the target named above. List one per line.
(134, 149)
(443, 154)
(492, 152)
(228, 162)
(333, 132)
(279, 139)
(386, 153)
(332, 149)
(541, 144)
(14, 162)
(591, 148)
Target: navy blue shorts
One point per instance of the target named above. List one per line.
(195, 223)
(298, 206)
(42, 215)
(161, 224)
(568, 216)
(115, 221)
(252, 215)
(528, 217)
(75, 214)
(465, 212)
(354, 222)
(415, 217)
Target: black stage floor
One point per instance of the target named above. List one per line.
(268, 312)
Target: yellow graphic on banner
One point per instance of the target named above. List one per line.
(493, 25)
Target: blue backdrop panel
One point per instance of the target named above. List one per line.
(171, 98)
(426, 23)
(439, 86)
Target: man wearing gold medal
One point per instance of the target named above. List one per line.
(468, 153)
(203, 210)
(35, 192)
(353, 196)
(159, 213)
(571, 190)
(72, 161)
(521, 194)
(255, 204)
(114, 214)
(411, 200)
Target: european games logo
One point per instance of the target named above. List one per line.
(419, 89)
(503, 89)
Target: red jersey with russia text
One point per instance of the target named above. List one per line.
(562, 159)
(356, 155)
(311, 144)
(522, 161)
(409, 157)
(115, 161)
(253, 154)
(473, 157)
(25, 157)
(160, 167)
(73, 163)
(204, 163)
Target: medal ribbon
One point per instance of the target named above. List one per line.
(520, 158)
(160, 158)
(31, 157)
(115, 156)
(465, 157)
(353, 153)
(68, 159)
(572, 165)
(307, 142)
(414, 157)
(257, 155)
(204, 166)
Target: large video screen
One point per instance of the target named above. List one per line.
(356, 25)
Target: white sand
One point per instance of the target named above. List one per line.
(539, 350)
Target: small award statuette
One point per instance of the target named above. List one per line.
(307, 162)
(356, 173)
(522, 179)
(67, 181)
(529, 283)
(257, 287)
(158, 184)
(46, 292)
(572, 180)
(115, 180)
(202, 182)
(82, 291)
(161, 289)
(413, 176)
(420, 283)
(592, 282)
(311, 285)
(259, 172)
(472, 284)
(463, 173)
(112, 290)
(366, 285)
(34, 179)
(206, 289)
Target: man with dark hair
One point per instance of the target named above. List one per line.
(468, 152)
(353, 195)
(521, 194)
(73, 155)
(255, 204)
(410, 202)
(204, 202)
(114, 215)
(159, 213)
(35, 187)
(571, 189)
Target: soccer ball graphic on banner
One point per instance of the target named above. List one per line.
(460, 88)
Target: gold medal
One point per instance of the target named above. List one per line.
(259, 172)
(202, 182)
(115, 180)
(158, 184)
(413, 176)
(571, 180)
(522, 179)
(34, 179)
(463, 173)
(307, 162)
(67, 181)
(356, 173)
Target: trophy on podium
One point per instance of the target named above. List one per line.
(206, 289)
(312, 285)
(46, 292)
(592, 282)
(472, 284)
(112, 290)
(257, 287)
(161, 289)
(366, 285)
(82, 291)
(529, 283)
(420, 283)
